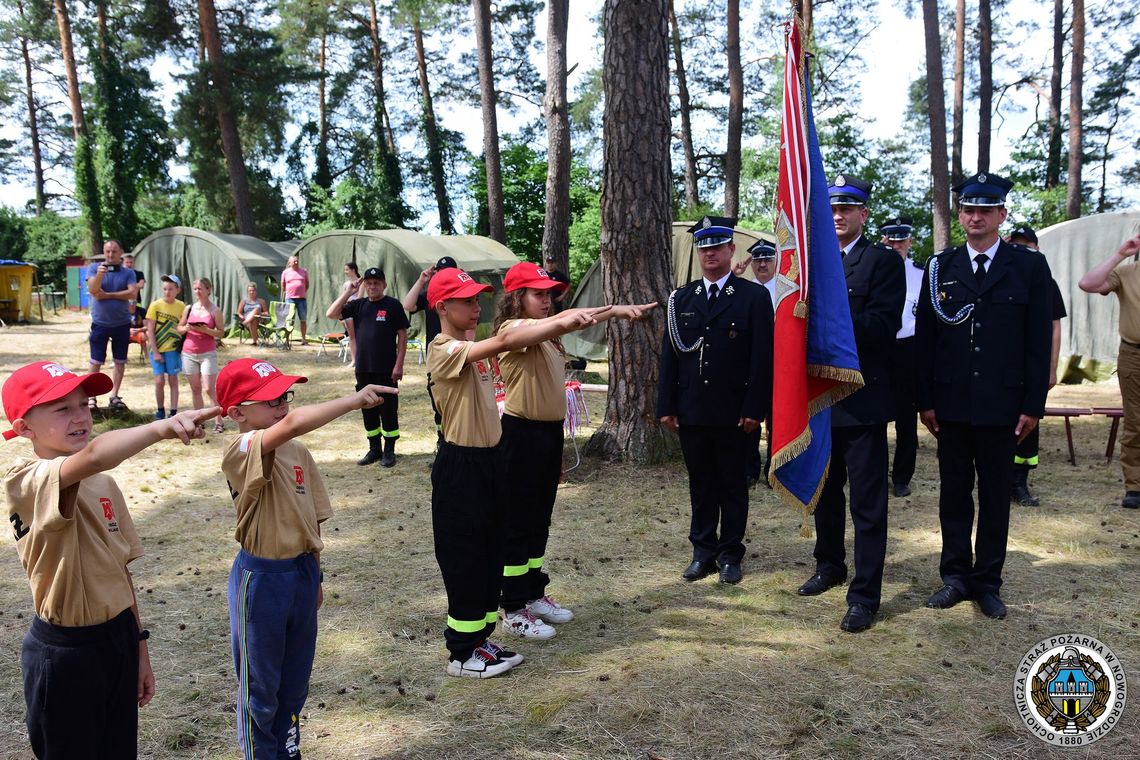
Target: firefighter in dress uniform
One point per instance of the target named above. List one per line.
(982, 335)
(715, 388)
(875, 290)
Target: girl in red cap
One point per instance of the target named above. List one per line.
(532, 422)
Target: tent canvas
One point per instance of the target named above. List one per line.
(17, 279)
(1089, 336)
(591, 343)
(403, 255)
(229, 261)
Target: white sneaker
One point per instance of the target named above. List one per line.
(506, 655)
(525, 625)
(550, 610)
(483, 663)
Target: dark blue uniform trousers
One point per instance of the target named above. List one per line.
(858, 453)
(533, 451)
(81, 689)
(467, 498)
(273, 632)
(717, 461)
(962, 450)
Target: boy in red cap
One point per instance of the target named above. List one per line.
(275, 583)
(468, 476)
(535, 385)
(85, 661)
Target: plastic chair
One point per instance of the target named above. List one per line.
(279, 328)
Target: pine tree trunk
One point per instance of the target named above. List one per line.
(692, 197)
(86, 192)
(227, 122)
(985, 83)
(956, 174)
(636, 220)
(381, 125)
(735, 111)
(435, 146)
(322, 176)
(1076, 123)
(1053, 163)
(936, 98)
(556, 227)
(33, 119)
(481, 9)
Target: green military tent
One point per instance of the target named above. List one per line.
(402, 254)
(591, 342)
(229, 261)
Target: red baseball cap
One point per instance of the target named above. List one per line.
(252, 380)
(453, 283)
(42, 383)
(527, 275)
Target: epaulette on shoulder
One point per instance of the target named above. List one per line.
(946, 251)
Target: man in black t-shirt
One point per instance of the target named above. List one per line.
(381, 342)
(416, 299)
(557, 302)
(1025, 455)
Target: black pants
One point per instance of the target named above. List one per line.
(964, 449)
(383, 420)
(906, 416)
(1025, 453)
(533, 453)
(858, 454)
(716, 458)
(467, 500)
(759, 465)
(81, 689)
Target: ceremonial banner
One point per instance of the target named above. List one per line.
(816, 363)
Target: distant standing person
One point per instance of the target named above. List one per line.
(1114, 276)
(1025, 456)
(763, 263)
(353, 283)
(113, 289)
(295, 289)
(162, 317)
(137, 313)
(201, 324)
(557, 302)
(415, 300)
(382, 341)
(897, 234)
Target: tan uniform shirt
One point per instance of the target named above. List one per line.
(464, 394)
(1125, 282)
(280, 497)
(534, 379)
(77, 566)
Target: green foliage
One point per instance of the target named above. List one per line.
(524, 196)
(51, 239)
(13, 234)
(350, 205)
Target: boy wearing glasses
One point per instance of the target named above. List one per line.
(275, 583)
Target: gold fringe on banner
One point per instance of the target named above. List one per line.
(801, 310)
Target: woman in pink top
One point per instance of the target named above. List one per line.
(201, 324)
(295, 289)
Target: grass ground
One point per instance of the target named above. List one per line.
(651, 667)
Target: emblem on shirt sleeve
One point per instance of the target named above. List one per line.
(299, 479)
(109, 514)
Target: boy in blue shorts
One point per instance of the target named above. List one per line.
(85, 661)
(275, 583)
(162, 318)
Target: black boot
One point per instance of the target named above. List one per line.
(1021, 492)
(373, 454)
(389, 457)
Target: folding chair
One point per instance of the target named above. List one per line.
(279, 328)
(329, 339)
(417, 343)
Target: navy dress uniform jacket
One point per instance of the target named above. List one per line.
(730, 376)
(876, 292)
(993, 366)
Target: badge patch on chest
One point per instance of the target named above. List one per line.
(382, 315)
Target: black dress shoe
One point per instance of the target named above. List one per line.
(1023, 497)
(858, 618)
(817, 584)
(902, 489)
(992, 606)
(730, 573)
(1131, 500)
(699, 569)
(945, 597)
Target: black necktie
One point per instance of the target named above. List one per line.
(980, 274)
(714, 291)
